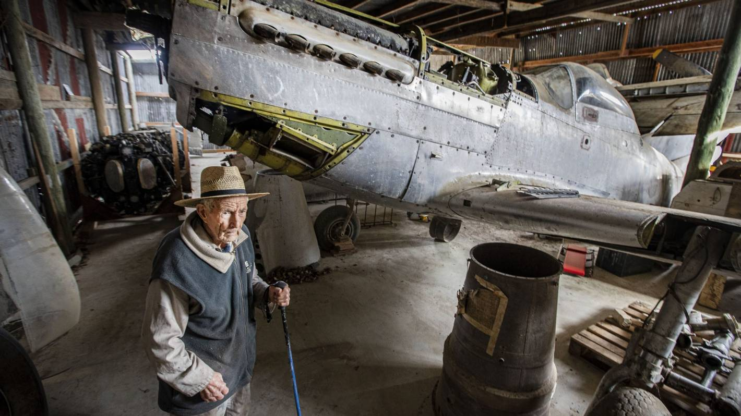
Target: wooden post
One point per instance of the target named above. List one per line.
(186, 151)
(119, 92)
(106, 130)
(132, 93)
(718, 98)
(36, 121)
(624, 43)
(656, 72)
(74, 149)
(176, 158)
(91, 60)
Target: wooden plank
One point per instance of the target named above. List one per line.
(153, 94)
(81, 98)
(488, 41)
(7, 75)
(49, 92)
(624, 41)
(476, 4)
(608, 336)
(713, 291)
(603, 17)
(43, 37)
(691, 47)
(603, 343)
(67, 104)
(596, 351)
(615, 330)
(176, 157)
(28, 182)
(642, 307)
(74, 150)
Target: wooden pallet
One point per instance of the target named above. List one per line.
(604, 345)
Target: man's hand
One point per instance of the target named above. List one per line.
(215, 390)
(280, 297)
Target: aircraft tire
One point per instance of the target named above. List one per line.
(21, 390)
(629, 401)
(327, 226)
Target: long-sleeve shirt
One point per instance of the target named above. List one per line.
(166, 317)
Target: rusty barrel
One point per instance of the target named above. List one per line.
(499, 358)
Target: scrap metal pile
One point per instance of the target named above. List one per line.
(131, 172)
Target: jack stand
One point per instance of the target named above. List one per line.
(650, 352)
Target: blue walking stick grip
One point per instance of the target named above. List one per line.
(282, 285)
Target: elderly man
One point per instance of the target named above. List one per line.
(199, 323)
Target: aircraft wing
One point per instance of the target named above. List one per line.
(639, 228)
(677, 103)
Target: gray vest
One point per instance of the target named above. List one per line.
(222, 334)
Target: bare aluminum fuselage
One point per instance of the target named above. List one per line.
(428, 140)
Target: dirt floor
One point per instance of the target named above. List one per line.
(367, 337)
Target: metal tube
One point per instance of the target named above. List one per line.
(719, 96)
(729, 400)
(29, 93)
(119, 92)
(132, 93)
(689, 387)
(88, 43)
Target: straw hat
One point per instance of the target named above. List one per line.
(220, 182)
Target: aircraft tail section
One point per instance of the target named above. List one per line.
(678, 148)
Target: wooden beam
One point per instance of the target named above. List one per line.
(603, 17)
(424, 11)
(100, 21)
(75, 151)
(534, 17)
(624, 42)
(483, 41)
(132, 93)
(39, 35)
(453, 14)
(88, 41)
(480, 15)
(152, 94)
(692, 47)
(7, 75)
(358, 4)
(477, 4)
(396, 7)
(118, 86)
(519, 6)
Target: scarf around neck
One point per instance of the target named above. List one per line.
(196, 237)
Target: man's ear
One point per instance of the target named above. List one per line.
(201, 210)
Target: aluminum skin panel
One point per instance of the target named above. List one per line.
(271, 74)
(382, 165)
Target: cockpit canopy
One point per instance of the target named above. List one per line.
(554, 85)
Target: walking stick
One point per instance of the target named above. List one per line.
(282, 285)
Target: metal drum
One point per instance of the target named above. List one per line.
(499, 358)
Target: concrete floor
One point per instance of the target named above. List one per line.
(367, 338)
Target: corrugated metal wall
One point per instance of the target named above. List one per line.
(53, 67)
(689, 24)
(152, 109)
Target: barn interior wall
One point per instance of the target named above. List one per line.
(696, 23)
(52, 66)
